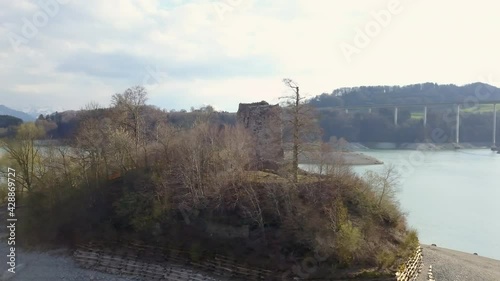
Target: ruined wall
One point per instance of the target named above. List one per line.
(264, 123)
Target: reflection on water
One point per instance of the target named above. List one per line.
(452, 197)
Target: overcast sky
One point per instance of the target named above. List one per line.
(222, 52)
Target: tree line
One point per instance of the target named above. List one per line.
(128, 173)
(425, 93)
(355, 126)
(64, 125)
(8, 124)
(377, 125)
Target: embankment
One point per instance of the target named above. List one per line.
(340, 157)
(420, 145)
(451, 265)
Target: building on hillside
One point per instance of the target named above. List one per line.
(264, 123)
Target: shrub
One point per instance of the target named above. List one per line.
(386, 259)
(348, 242)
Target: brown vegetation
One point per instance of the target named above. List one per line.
(133, 175)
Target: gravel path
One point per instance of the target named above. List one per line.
(450, 265)
(52, 265)
(447, 265)
(48, 266)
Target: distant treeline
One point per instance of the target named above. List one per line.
(426, 93)
(378, 126)
(357, 125)
(360, 125)
(8, 124)
(64, 125)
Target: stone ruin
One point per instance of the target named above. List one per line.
(265, 125)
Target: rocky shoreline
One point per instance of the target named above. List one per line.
(352, 153)
(358, 158)
(416, 146)
(350, 158)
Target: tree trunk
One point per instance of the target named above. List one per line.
(296, 137)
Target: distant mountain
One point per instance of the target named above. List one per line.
(35, 111)
(4, 110)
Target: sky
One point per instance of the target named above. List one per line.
(68, 53)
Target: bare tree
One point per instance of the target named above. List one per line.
(165, 137)
(129, 108)
(198, 164)
(236, 149)
(384, 184)
(302, 121)
(252, 207)
(26, 154)
(93, 143)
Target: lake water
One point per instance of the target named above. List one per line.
(452, 197)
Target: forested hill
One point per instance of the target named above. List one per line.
(428, 93)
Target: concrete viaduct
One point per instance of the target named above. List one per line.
(457, 107)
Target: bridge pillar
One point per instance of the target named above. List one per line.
(346, 111)
(395, 116)
(494, 146)
(370, 110)
(457, 140)
(425, 116)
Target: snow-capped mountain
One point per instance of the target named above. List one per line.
(35, 111)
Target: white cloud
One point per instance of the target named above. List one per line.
(215, 60)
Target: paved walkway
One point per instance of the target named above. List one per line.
(450, 265)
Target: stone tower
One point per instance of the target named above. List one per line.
(264, 123)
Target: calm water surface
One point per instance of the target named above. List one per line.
(452, 197)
